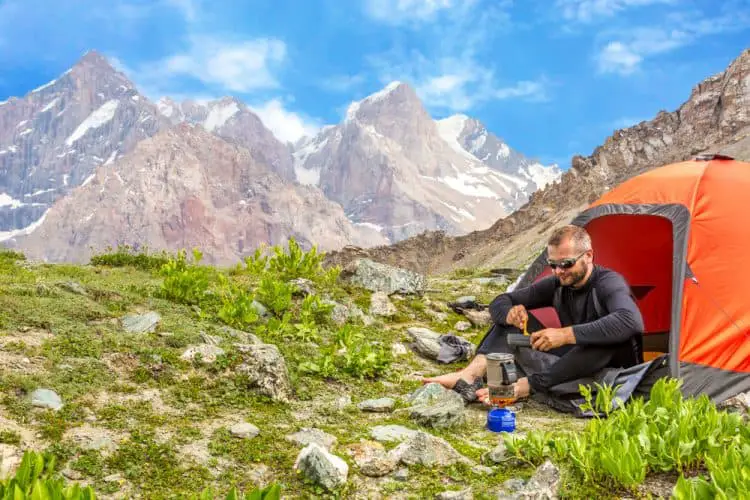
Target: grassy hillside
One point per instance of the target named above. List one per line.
(140, 419)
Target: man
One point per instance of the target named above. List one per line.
(601, 325)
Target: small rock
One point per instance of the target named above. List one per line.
(45, 398)
(380, 465)
(739, 403)
(398, 349)
(544, 484)
(380, 305)
(243, 337)
(208, 353)
(112, 478)
(74, 287)
(71, 474)
(401, 474)
(307, 435)
(497, 455)
(391, 433)
(260, 474)
(438, 316)
(377, 405)
(260, 308)
(378, 277)
(428, 450)
(483, 469)
(462, 326)
(210, 339)
(456, 495)
(343, 402)
(244, 430)
(322, 467)
(303, 286)
(479, 318)
(141, 323)
(266, 369)
(514, 484)
(426, 342)
(372, 459)
(444, 410)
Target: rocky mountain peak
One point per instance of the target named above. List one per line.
(94, 58)
(395, 106)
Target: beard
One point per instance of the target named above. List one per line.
(576, 277)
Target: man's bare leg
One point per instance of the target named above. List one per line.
(475, 369)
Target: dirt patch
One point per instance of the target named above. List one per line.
(30, 337)
(123, 364)
(152, 396)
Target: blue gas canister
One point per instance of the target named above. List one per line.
(501, 420)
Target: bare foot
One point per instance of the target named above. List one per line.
(448, 380)
(483, 395)
(521, 388)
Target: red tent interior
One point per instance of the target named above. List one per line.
(640, 247)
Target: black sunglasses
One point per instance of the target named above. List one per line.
(564, 263)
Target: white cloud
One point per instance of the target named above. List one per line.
(342, 83)
(456, 84)
(455, 69)
(617, 57)
(188, 8)
(403, 11)
(589, 10)
(286, 125)
(241, 66)
(632, 46)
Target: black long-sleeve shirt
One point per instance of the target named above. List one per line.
(619, 321)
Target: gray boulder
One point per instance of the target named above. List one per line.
(46, 398)
(322, 467)
(266, 369)
(141, 323)
(378, 277)
(426, 342)
(428, 450)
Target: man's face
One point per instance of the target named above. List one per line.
(566, 253)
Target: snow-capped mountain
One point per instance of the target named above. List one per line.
(395, 168)
(469, 135)
(232, 120)
(386, 172)
(52, 139)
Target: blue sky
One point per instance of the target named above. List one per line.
(553, 78)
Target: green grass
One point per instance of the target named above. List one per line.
(137, 387)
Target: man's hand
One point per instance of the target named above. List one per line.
(550, 338)
(517, 316)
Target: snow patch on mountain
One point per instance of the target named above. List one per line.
(219, 115)
(6, 235)
(8, 201)
(102, 115)
(308, 175)
(450, 130)
(541, 175)
(50, 105)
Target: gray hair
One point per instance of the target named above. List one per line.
(578, 235)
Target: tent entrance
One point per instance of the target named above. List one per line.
(641, 248)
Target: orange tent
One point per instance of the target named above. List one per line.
(679, 235)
